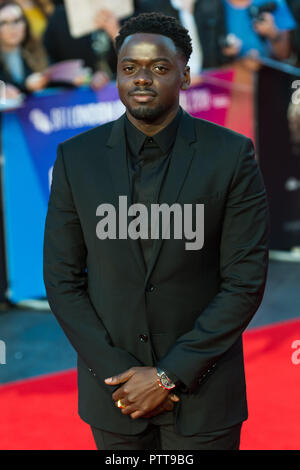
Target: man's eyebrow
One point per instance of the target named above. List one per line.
(157, 59)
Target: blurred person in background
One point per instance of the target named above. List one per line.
(295, 8)
(22, 58)
(37, 13)
(205, 21)
(96, 49)
(258, 27)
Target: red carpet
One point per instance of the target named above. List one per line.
(273, 385)
(41, 413)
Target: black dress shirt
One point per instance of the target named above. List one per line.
(148, 161)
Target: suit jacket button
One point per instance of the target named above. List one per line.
(151, 288)
(143, 338)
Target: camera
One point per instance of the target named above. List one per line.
(256, 11)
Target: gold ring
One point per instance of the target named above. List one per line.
(120, 404)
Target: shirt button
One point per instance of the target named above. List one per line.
(143, 338)
(150, 140)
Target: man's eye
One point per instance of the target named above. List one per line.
(161, 68)
(128, 68)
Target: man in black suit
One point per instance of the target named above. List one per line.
(157, 322)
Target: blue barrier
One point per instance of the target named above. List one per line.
(30, 136)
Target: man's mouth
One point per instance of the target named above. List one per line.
(143, 96)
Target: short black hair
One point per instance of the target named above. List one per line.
(157, 23)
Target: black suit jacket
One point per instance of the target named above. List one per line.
(190, 307)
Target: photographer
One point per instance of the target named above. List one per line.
(258, 28)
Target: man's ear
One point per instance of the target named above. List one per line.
(186, 78)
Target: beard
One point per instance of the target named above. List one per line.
(144, 113)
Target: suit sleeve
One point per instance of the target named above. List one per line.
(65, 280)
(243, 270)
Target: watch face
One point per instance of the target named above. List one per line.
(166, 382)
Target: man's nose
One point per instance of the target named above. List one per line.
(143, 78)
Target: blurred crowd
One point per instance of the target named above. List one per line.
(35, 34)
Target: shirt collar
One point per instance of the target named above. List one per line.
(164, 139)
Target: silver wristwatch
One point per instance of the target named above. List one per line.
(163, 380)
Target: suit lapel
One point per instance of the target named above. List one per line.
(179, 165)
(119, 171)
